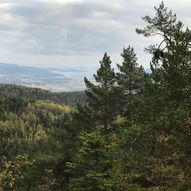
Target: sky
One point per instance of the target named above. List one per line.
(76, 33)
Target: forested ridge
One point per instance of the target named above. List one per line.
(133, 133)
(67, 98)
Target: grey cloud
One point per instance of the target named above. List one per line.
(85, 28)
(70, 28)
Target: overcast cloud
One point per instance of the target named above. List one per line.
(60, 33)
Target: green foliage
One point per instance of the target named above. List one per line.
(48, 182)
(92, 168)
(130, 80)
(11, 174)
(133, 133)
(101, 97)
(30, 129)
(67, 98)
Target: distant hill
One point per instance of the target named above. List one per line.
(52, 79)
(13, 69)
(67, 98)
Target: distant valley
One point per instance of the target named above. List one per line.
(52, 79)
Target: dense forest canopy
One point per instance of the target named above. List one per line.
(67, 98)
(129, 131)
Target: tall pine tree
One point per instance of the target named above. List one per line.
(130, 83)
(101, 95)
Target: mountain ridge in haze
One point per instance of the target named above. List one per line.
(52, 79)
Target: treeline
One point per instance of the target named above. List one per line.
(134, 133)
(67, 98)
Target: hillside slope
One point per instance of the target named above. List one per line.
(67, 98)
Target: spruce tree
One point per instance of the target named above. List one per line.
(92, 167)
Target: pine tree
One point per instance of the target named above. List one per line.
(101, 96)
(165, 100)
(130, 83)
(172, 53)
